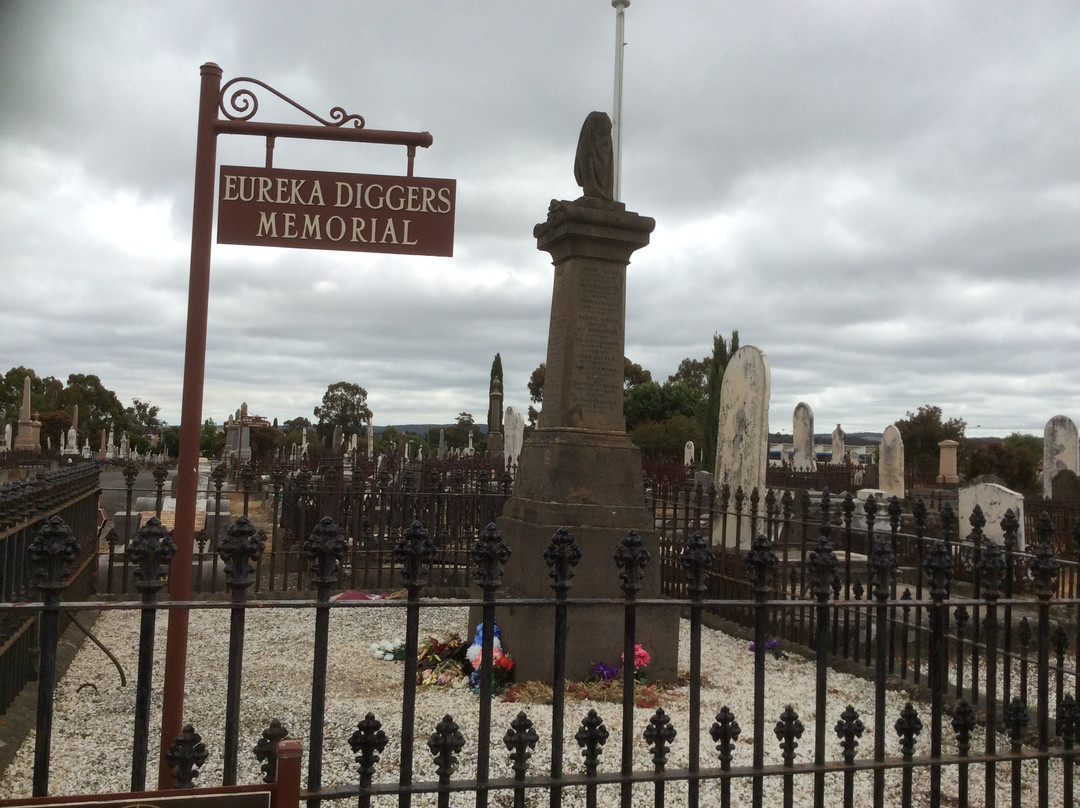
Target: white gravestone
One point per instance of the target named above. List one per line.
(994, 500)
(688, 453)
(802, 430)
(891, 463)
(513, 434)
(1060, 450)
(742, 435)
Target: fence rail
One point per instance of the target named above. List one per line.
(26, 506)
(1040, 728)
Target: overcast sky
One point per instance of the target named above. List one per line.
(884, 197)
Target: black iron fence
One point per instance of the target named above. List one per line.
(782, 584)
(27, 506)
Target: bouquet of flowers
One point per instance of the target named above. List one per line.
(641, 662)
(389, 649)
(501, 664)
(772, 646)
(439, 662)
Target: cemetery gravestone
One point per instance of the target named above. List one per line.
(805, 458)
(514, 434)
(742, 435)
(1060, 450)
(891, 462)
(838, 438)
(995, 500)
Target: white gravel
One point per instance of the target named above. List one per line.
(93, 724)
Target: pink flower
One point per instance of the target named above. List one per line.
(641, 657)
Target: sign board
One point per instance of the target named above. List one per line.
(324, 210)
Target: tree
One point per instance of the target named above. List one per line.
(457, 436)
(141, 418)
(721, 355)
(693, 373)
(1014, 463)
(99, 408)
(44, 393)
(659, 402)
(344, 405)
(170, 440)
(634, 374)
(922, 431)
(536, 391)
(667, 438)
(211, 439)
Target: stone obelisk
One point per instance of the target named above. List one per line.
(28, 438)
(579, 469)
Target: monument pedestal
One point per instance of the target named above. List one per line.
(579, 469)
(591, 484)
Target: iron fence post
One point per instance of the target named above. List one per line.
(326, 547)
(631, 557)
(697, 560)
(151, 551)
(490, 553)
(761, 565)
(561, 556)
(415, 552)
(240, 549)
(51, 551)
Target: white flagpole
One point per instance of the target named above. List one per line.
(616, 123)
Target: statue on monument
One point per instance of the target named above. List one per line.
(594, 164)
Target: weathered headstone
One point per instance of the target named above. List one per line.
(947, 462)
(994, 500)
(513, 435)
(838, 438)
(742, 435)
(1061, 450)
(442, 444)
(688, 453)
(802, 430)
(891, 462)
(579, 469)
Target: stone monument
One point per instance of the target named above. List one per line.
(947, 474)
(496, 442)
(579, 469)
(28, 438)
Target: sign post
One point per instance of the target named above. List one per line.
(406, 215)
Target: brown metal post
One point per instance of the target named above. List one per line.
(191, 413)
